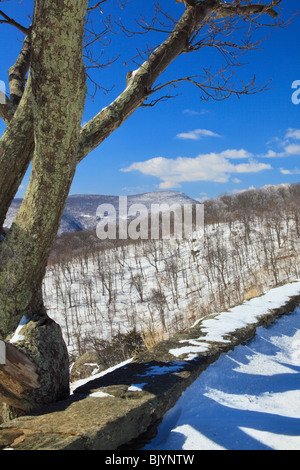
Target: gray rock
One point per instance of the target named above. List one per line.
(86, 365)
(41, 340)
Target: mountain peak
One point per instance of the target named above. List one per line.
(80, 210)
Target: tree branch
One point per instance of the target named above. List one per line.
(17, 80)
(227, 10)
(97, 6)
(16, 147)
(11, 21)
(139, 86)
(7, 109)
(217, 87)
(17, 73)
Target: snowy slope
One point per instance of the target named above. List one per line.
(160, 287)
(248, 400)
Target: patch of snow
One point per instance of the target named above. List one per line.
(17, 337)
(81, 382)
(195, 348)
(100, 395)
(136, 387)
(225, 323)
(247, 400)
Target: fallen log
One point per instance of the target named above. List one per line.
(18, 376)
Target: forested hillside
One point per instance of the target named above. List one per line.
(157, 287)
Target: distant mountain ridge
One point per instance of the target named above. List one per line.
(80, 210)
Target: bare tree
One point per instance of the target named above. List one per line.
(138, 282)
(158, 299)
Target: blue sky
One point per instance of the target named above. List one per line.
(200, 148)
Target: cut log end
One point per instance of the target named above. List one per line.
(18, 376)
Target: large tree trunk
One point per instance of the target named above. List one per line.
(16, 146)
(53, 102)
(44, 127)
(58, 96)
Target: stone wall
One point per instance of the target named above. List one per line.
(124, 407)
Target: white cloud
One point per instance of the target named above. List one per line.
(292, 149)
(273, 154)
(236, 154)
(293, 134)
(192, 112)
(205, 167)
(287, 146)
(197, 134)
(169, 185)
(296, 171)
(252, 167)
(136, 189)
(217, 167)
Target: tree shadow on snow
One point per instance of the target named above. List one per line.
(226, 398)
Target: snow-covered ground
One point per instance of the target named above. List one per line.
(248, 400)
(160, 287)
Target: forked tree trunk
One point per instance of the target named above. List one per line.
(44, 127)
(58, 96)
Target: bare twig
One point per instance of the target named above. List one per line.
(97, 6)
(217, 87)
(11, 21)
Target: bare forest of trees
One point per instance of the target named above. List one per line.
(157, 287)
